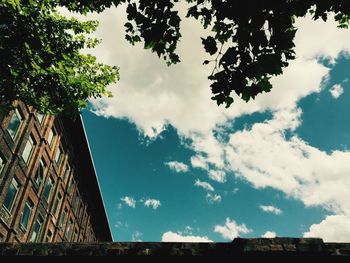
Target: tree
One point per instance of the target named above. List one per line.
(250, 41)
(41, 61)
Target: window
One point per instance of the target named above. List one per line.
(80, 212)
(66, 172)
(57, 203)
(41, 117)
(11, 195)
(70, 187)
(47, 190)
(63, 217)
(69, 229)
(51, 137)
(58, 155)
(1, 164)
(39, 175)
(27, 211)
(75, 235)
(37, 228)
(48, 236)
(75, 200)
(14, 124)
(28, 150)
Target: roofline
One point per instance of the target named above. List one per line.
(96, 177)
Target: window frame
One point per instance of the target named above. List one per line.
(51, 181)
(30, 205)
(50, 139)
(40, 221)
(2, 164)
(19, 116)
(68, 231)
(58, 157)
(57, 204)
(42, 118)
(28, 157)
(42, 164)
(13, 201)
(63, 218)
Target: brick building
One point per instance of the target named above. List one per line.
(48, 186)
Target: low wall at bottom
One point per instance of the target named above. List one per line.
(239, 247)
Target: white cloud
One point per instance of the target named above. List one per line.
(136, 236)
(231, 229)
(154, 203)
(264, 157)
(152, 95)
(170, 236)
(199, 162)
(204, 185)
(311, 42)
(129, 201)
(334, 228)
(217, 175)
(213, 198)
(177, 166)
(269, 234)
(271, 209)
(336, 91)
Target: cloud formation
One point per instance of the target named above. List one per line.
(129, 201)
(204, 185)
(170, 236)
(334, 228)
(176, 166)
(336, 91)
(213, 198)
(271, 209)
(154, 203)
(231, 229)
(269, 234)
(262, 154)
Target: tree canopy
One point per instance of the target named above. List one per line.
(41, 61)
(248, 42)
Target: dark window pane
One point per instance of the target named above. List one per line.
(37, 228)
(27, 210)
(47, 190)
(14, 124)
(39, 175)
(11, 195)
(57, 203)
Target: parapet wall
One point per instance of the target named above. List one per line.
(262, 247)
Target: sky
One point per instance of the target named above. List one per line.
(173, 166)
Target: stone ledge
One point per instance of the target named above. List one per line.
(239, 247)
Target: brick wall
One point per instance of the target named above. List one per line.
(67, 206)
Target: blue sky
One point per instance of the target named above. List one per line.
(173, 166)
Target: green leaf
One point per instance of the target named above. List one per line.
(209, 45)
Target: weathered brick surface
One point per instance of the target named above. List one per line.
(261, 247)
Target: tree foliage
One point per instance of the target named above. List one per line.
(248, 42)
(41, 62)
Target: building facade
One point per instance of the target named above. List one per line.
(48, 186)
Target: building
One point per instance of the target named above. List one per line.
(48, 186)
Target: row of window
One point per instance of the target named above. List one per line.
(13, 130)
(26, 213)
(28, 209)
(14, 127)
